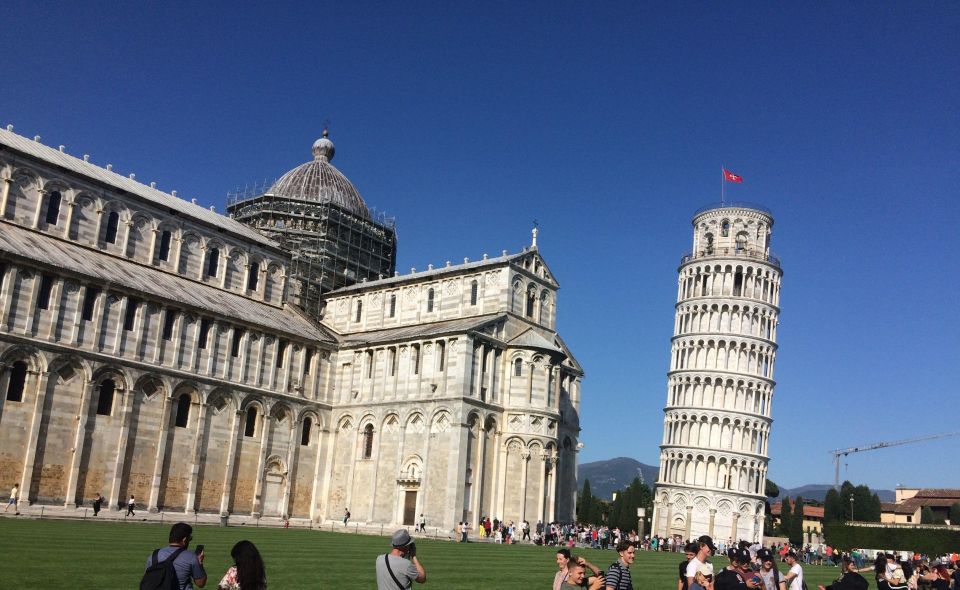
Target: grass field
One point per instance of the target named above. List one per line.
(102, 555)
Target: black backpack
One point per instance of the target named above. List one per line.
(160, 575)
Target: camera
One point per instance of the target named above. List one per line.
(411, 549)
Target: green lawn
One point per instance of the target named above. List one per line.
(104, 555)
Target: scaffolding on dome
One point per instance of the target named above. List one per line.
(330, 247)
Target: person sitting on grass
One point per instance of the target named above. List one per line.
(247, 571)
(850, 580)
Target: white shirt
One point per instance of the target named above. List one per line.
(15, 494)
(797, 582)
(692, 567)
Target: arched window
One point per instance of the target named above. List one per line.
(213, 262)
(429, 300)
(474, 289)
(305, 433)
(18, 378)
(531, 300)
(741, 241)
(164, 252)
(53, 207)
(393, 304)
(368, 441)
(359, 313)
(253, 277)
(441, 354)
(725, 229)
(105, 399)
(113, 222)
(518, 368)
(250, 428)
(183, 410)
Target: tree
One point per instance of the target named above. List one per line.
(927, 516)
(795, 529)
(771, 490)
(831, 506)
(955, 513)
(585, 504)
(785, 516)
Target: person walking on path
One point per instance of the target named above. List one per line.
(97, 503)
(346, 516)
(14, 499)
(400, 568)
(131, 504)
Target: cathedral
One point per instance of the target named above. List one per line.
(269, 362)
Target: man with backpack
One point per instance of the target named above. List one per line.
(175, 567)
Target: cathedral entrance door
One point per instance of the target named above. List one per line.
(410, 507)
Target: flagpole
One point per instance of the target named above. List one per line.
(723, 183)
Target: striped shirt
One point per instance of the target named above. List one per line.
(618, 577)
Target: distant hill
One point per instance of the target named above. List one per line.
(609, 476)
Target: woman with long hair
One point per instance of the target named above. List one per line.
(248, 572)
(850, 580)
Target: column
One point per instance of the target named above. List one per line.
(118, 466)
(153, 245)
(554, 482)
(36, 213)
(542, 508)
(26, 478)
(224, 267)
(213, 342)
(126, 236)
(98, 310)
(669, 524)
(6, 298)
(291, 466)
(323, 442)
(71, 205)
(478, 474)
(4, 196)
(78, 439)
(196, 458)
(258, 488)
(733, 526)
(168, 403)
(525, 457)
(499, 489)
(158, 343)
(55, 295)
(713, 519)
(231, 458)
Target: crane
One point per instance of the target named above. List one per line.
(837, 453)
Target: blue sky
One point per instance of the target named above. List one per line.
(608, 123)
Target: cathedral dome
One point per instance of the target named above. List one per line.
(319, 181)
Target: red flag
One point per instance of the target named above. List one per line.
(731, 177)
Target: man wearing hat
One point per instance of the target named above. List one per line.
(706, 549)
(733, 577)
(400, 568)
(794, 578)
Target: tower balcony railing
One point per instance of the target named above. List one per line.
(731, 253)
(733, 205)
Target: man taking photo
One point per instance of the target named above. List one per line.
(400, 568)
(187, 566)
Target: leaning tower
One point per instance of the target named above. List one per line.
(713, 457)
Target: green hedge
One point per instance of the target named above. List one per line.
(932, 541)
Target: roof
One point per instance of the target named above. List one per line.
(157, 197)
(530, 338)
(812, 512)
(112, 270)
(939, 493)
(417, 331)
(432, 273)
(319, 181)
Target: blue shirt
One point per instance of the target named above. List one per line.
(186, 565)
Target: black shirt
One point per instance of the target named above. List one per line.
(729, 579)
(683, 573)
(849, 581)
